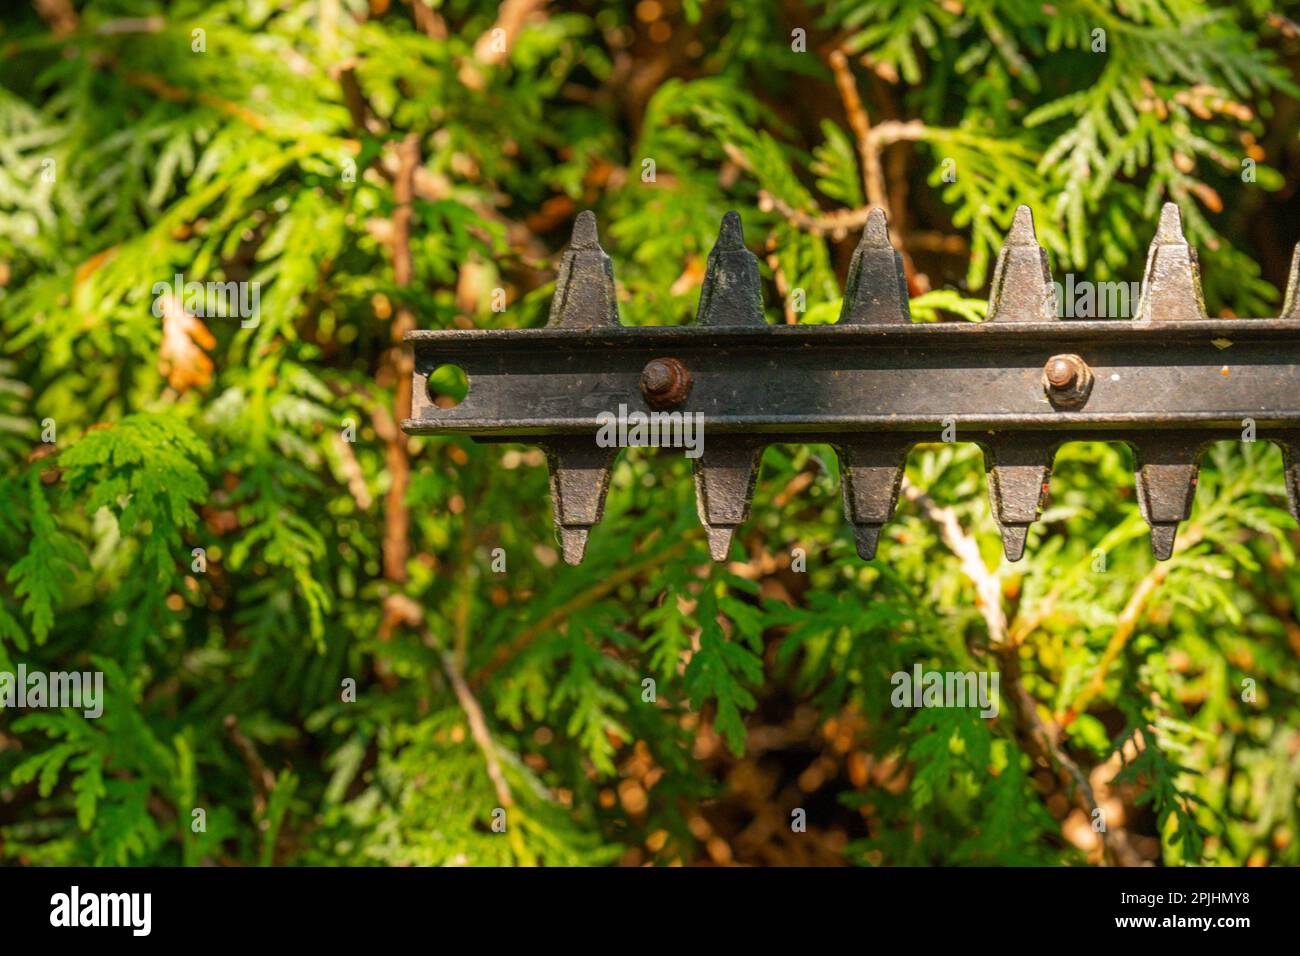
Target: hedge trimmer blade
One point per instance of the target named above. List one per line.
(873, 384)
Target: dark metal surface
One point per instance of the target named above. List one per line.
(1019, 384)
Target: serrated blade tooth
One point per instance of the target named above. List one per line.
(1162, 540)
(732, 293)
(584, 289)
(1014, 537)
(1289, 442)
(573, 544)
(876, 290)
(579, 480)
(1291, 304)
(724, 486)
(720, 542)
(872, 471)
(1018, 467)
(866, 537)
(1166, 470)
(1171, 285)
(1022, 289)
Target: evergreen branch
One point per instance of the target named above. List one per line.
(588, 597)
(1026, 623)
(1125, 626)
(175, 94)
(1045, 734)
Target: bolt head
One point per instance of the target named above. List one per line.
(1067, 380)
(1061, 372)
(665, 382)
(657, 377)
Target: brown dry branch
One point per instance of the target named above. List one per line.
(400, 368)
(870, 141)
(837, 224)
(478, 727)
(428, 20)
(841, 223)
(363, 118)
(947, 244)
(896, 131)
(61, 16)
(873, 177)
(988, 584)
(352, 472)
(1285, 25)
(494, 46)
(510, 20)
(401, 608)
(259, 773)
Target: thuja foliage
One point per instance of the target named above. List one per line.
(198, 506)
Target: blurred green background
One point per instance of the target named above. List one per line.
(296, 608)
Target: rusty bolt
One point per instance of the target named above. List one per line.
(1067, 379)
(1061, 372)
(665, 382)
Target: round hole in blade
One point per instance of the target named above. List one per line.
(447, 386)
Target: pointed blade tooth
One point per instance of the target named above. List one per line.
(573, 544)
(872, 472)
(720, 542)
(866, 537)
(1162, 540)
(1289, 442)
(579, 480)
(1171, 285)
(724, 486)
(1166, 485)
(584, 289)
(1019, 466)
(1014, 537)
(876, 290)
(1022, 289)
(732, 293)
(1291, 305)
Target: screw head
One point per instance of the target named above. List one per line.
(665, 382)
